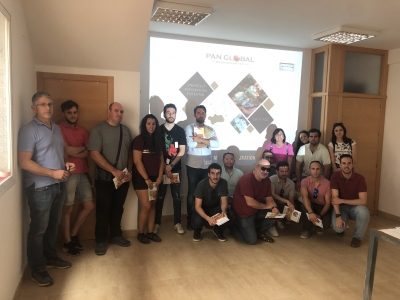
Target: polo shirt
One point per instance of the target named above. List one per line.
(249, 186)
(348, 188)
(76, 136)
(47, 148)
(232, 178)
(211, 197)
(305, 155)
(289, 189)
(324, 189)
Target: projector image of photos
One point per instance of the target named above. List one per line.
(292, 215)
(318, 223)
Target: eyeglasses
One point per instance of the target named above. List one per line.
(50, 105)
(268, 157)
(315, 193)
(264, 168)
(282, 191)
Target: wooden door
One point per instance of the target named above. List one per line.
(93, 95)
(361, 116)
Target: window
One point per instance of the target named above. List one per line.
(5, 102)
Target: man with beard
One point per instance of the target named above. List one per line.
(211, 199)
(200, 139)
(230, 173)
(283, 191)
(349, 197)
(316, 196)
(78, 184)
(174, 140)
(110, 148)
(313, 151)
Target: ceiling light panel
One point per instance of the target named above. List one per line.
(345, 35)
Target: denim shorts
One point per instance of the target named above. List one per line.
(78, 186)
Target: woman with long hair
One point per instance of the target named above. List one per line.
(341, 144)
(148, 167)
(302, 139)
(282, 150)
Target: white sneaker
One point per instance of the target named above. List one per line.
(305, 234)
(179, 229)
(272, 231)
(156, 228)
(280, 224)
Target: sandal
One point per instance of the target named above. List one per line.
(265, 238)
(143, 238)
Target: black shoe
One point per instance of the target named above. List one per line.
(76, 242)
(120, 241)
(42, 278)
(218, 233)
(197, 235)
(153, 237)
(143, 238)
(100, 249)
(70, 249)
(189, 226)
(58, 263)
(355, 242)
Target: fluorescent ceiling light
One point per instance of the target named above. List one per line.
(179, 13)
(345, 35)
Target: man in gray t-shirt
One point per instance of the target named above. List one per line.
(103, 145)
(41, 156)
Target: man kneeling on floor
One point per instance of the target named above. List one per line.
(249, 206)
(211, 198)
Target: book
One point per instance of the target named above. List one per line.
(153, 192)
(272, 215)
(117, 182)
(318, 223)
(174, 179)
(292, 215)
(219, 219)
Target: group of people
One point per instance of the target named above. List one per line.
(54, 160)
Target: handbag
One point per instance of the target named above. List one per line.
(104, 175)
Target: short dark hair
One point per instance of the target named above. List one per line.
(282, 164)
(315, 130)
(38, 95)
(226, 153)
(200, 106)
(214, 166)
(276, 131)
(169, 105)
(266, 151)
(344, 156)
(67, 105)
(316, 161)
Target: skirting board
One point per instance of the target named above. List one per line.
(388, 216)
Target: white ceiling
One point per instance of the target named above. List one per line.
(111, 34)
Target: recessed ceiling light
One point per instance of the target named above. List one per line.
(179, 13)
(344, 35)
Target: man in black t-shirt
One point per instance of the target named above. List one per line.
(174, 140)
(211, 198)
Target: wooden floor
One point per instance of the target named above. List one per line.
(322, 267)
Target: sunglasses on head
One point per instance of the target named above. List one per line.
(265, 169)
(315, 193)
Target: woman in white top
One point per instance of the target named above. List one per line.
(341, 144)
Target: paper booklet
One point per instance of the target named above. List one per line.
(318, 223)
(153, 192)
(118, 182)
(199, 132)
(292, 215)
(272, 215)
(173, 179)
(219, 219)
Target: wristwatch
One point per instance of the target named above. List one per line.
(172, 166)
(338, 215)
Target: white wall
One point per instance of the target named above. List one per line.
(14, 214)
(127, 92)
(390, 189)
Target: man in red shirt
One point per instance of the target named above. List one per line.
(78, 184)
(252, 201)
(349, 197)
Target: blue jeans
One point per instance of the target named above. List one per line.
(245, 228)
(194, 177)
(176, 197)
(45, 206)
(360, 213)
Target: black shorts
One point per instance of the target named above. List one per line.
(139, 183)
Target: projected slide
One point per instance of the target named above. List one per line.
(245, 90)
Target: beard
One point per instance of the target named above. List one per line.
(168, 121)
(71, 123)
(200, 120)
